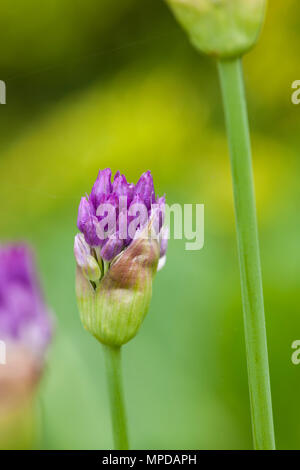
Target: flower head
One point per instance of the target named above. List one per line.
(121, 246)
(110, 217)
(222, 28)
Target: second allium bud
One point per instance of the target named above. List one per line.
(221, 28)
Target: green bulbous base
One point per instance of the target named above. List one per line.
(115, 310)
(221, 28)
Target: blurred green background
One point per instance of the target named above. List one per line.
(96, 84)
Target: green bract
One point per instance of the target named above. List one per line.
(221, 28)
(114, 310)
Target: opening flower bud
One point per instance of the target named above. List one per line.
(221, 28)
(118, 257)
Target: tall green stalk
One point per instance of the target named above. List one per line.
(115, 389)
(231, 76)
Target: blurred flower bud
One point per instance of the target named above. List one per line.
(118, 258)
(25, 332)
(24, 317)
(221, 28)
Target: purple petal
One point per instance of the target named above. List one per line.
(130, 192)
(145, 189)
(136, 212)
(112, 247)
(107, 215)
(158, 213)
(102, 186)
(85, 211)
(120, 185)
(90, 232)
(122, 188)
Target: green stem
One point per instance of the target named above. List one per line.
(232, 84)
(115, 389)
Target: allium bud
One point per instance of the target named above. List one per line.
(121, 245)
(221, 28)
(25, 331)
(24, 318)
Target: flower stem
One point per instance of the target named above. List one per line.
(115, 389)
(232, 84)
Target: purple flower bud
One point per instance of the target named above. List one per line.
(124, 244)
(85, 211)
(85, 260)
(138, 216)
(102, 186)
(104, 213)
(112, 247)
(120, 187)
(90, 231)
(24, 317)
(145, 189)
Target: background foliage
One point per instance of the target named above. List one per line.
(95, 84)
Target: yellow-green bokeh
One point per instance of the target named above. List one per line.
(117, 84)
